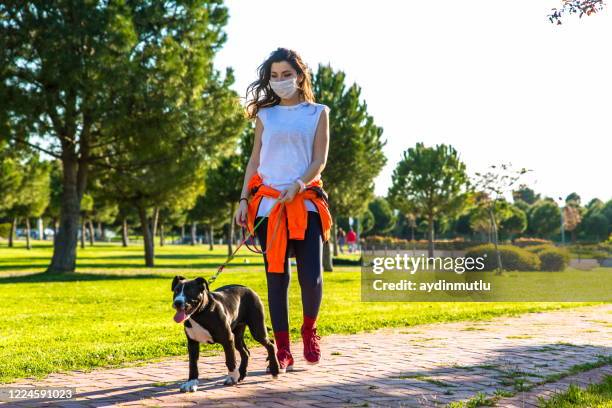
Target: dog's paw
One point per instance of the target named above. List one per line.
(189, 386)
(229, 380)
(232, 378)
(243, 374)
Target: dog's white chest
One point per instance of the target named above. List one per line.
(198, 333)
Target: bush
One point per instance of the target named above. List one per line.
(379, 242)
(525, 242)
(553, 259)
(513, 258)
(536, 249)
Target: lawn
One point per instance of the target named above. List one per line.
(594, 396)
(114, 310)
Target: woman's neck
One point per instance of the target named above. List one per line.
(293, 101)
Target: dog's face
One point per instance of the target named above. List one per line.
(187, 296)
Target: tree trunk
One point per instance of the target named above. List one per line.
(155, 221)
(73, 185)
(28, 230)
(11, 236)
(182, 232)
(194, 230)
(211, 233)
(54, 223)
(495, 239)
(83, 234)
(430, 236)
(91, 233)
(230, 232)
(328, 264)
(41, 228)
(148, 238)
(162, 238)
(335, 238)
(124, 233)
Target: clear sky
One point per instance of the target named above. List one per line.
(492, 78)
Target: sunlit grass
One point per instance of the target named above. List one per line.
(115, 310)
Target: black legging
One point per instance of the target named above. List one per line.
(309, 260)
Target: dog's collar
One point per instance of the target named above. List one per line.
(197, 309)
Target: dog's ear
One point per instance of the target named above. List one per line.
(202, 282)
(176, 281)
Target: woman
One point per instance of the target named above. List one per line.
(283, 179)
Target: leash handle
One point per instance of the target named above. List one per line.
(232, 255)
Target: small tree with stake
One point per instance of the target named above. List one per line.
(494, 184)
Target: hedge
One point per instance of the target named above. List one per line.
(513, 258)
(526, 242)
(378, 241)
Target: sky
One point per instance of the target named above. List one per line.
(495, 79)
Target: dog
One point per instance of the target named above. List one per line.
(220, 316)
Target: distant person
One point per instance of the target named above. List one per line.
(341, 237)
(351, 240)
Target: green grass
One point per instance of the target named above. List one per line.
(594, 396)
(115, 311)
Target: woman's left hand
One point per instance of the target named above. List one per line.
(288, 194)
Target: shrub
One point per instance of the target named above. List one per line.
(379, 242)
(525, 242)
(536, 249)
(553, 259)
(513, 258)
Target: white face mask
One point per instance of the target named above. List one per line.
(285, 89)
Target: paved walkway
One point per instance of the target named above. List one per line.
(422, 366)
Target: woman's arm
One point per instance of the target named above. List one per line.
(320, 149)
(241, 213)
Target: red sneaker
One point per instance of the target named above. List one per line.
(312, 351)
(283, 352)
(285, 361)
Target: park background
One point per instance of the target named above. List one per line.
(123, 144)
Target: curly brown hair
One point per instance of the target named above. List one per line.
(263, 95)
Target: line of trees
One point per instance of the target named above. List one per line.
(120, 106)
(113, 114)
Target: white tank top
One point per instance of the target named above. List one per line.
(286, 146)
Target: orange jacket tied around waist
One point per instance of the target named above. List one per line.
(293, 219)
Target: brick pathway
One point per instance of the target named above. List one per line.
(421, 366)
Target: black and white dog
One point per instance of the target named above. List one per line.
(220, 316)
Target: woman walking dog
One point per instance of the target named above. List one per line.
(283, 181)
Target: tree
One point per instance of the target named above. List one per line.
(10, 184)
(595, 225)
(514, 223)
(431, 182)
(68, 69)
(355, 149)
(544, 218)
(384, 218)
(167, 140)
(525, 194)
(580, 7)
(224, 185)
(33, 193)
(87, 205)
(496, 182)
(53, 210)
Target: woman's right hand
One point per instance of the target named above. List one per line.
(241, 214)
